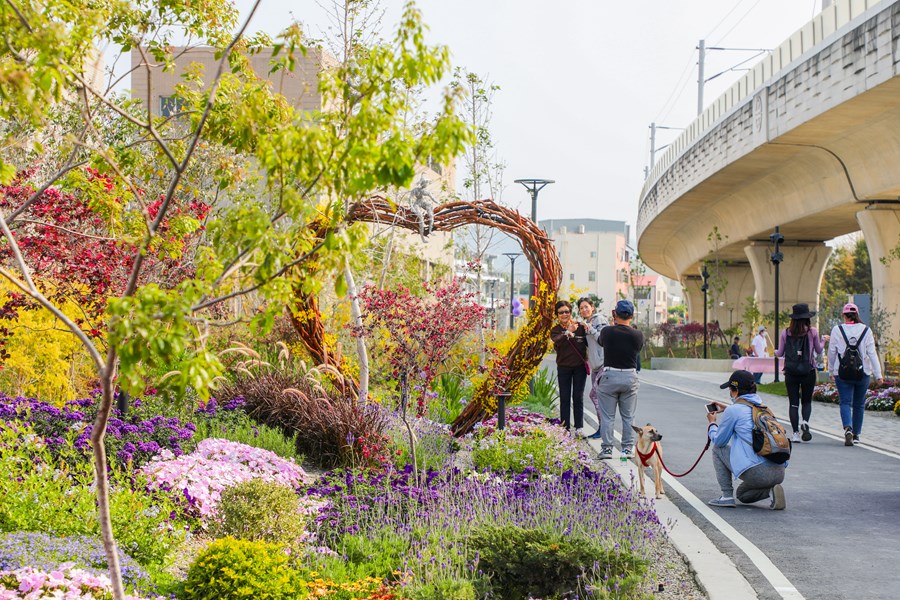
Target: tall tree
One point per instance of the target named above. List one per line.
(306, 166)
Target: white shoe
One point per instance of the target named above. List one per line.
(579, 433)
(796, 437)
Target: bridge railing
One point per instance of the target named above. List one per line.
(827, 24)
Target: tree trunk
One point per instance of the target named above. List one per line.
(101, 479)
(404, 402)
(361, 351)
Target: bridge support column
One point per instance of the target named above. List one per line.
(693, 297)
(736, 286)
(880, 225)
(801, 273)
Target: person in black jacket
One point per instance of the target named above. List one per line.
(622, 344)
(570, 341)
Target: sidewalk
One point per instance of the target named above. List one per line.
(880, 429)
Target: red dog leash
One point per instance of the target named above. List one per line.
(645, 458)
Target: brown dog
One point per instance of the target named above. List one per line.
(648, 445)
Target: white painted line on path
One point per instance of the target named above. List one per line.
(773, 574)
(823, 433)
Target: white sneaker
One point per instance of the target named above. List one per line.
(605, 454)
(579, 433)
(778, 502)
(796, 437)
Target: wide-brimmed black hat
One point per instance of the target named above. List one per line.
(740, 380)
(801, 311)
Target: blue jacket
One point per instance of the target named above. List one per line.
(736, 421)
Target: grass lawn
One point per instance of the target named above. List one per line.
(776, 388)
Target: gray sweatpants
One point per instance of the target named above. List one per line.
(617, 389)
(756, 482)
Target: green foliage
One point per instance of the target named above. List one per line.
(230, 569)
(237, 426)
(452, 395)
(360, 556)
(258, 510)
(444, 589)
(532, 448)
(545, 395)
(778, 389)
(848, 272)
(41, 493)
(525, 563)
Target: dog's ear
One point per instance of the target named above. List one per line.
(648, 425)
(637, 429)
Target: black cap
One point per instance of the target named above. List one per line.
(742, 381)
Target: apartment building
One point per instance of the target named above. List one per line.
(300, 87)
(594, 256)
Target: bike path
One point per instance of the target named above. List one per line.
(839, 537)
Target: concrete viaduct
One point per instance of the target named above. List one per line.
(808, 140)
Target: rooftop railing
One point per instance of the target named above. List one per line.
(834, 21)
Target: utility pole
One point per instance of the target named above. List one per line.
(700, 77)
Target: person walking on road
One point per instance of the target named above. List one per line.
(569, 340)
(799, 344)
(760, 349)
(852, 342)
(618, 385)
(593, 323)
(732, 453)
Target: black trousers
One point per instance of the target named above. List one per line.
(571, 387)
(800, 391)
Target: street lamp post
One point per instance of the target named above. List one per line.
(493, 314)
(512, 256)
(705, 288)
(777, 257)
(533, 186)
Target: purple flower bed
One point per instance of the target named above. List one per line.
(878, 397)
(46, 553)
(134, 438)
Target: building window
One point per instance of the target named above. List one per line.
(571, 276)
(592, 276)
(593, 254)
(170, 105)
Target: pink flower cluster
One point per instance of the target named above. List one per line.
(64, 583)
(217, 464)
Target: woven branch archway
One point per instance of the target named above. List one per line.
(531, 344)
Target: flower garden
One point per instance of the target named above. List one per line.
(516, 513)
(883, 397)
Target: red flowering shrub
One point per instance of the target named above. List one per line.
(81, 247)
(420, 331)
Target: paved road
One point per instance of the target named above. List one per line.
(840, 535)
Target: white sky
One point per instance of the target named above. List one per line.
(581, 80)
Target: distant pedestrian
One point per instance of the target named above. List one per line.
(760, 349)
(735, 350)
(619, 383)
(850, 338)
(569, 340)
(799, 345)
(732, 453)
(593, 323)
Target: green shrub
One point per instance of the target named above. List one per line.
(55, 495)
(524, 563)
(258, 510)
(231, 569)
(447, 589)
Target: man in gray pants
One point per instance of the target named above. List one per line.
(760, 478)
(618, 385)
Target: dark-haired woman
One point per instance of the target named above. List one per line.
(569, 340)
(798, 345)
(853, 392)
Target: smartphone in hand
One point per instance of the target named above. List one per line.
(712, 407)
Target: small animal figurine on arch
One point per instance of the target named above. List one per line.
(649, 454)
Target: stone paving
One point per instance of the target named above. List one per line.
(881, 426)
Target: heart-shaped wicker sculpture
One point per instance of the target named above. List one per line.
(531, 344)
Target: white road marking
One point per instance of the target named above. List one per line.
(762, 562)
